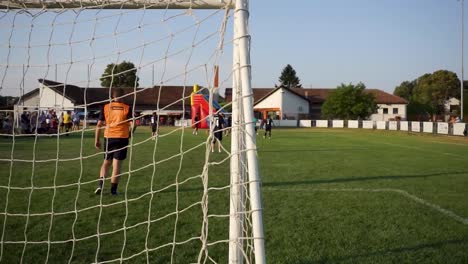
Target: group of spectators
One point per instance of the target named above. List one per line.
(43, 122)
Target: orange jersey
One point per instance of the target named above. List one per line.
(117, 116)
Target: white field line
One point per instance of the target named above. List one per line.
(450, 143)
(398, 191)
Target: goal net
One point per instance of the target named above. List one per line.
(187, 189)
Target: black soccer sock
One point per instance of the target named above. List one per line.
(101, 182)
(114, 188)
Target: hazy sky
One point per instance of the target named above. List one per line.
(378, 42)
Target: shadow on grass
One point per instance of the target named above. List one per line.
(359, 257)
(312, 150)
(324, 181)
(359, 179)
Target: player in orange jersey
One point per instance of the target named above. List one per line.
(116, 116)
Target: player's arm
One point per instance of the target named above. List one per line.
(97, 131)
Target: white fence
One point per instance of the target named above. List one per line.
(185, 123)
(368, 124)
(353, 124)
(442, 128)
(404, 125)
(322, 123)
(458, 129)
(428, 127)
(338, 123)
(382, 125)
(416, 126)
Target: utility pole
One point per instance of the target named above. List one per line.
(462, 61)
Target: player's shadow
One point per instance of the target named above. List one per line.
(408, 249)
(359, 179)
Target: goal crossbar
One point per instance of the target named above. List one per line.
(117, 4)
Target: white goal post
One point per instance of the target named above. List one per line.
(245, 202)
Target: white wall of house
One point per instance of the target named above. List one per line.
(293, 105)
(289, 104)
(32, 100)
(452, 102)
(272, 101)
(51, 99)
(393, 110)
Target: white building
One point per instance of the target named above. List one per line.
(283, 102)
(452, 106)
(60, 97)
(302, 103)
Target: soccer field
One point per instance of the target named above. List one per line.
(329, 195)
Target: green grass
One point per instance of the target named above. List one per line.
(329, 195)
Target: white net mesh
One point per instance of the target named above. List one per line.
(174, 191)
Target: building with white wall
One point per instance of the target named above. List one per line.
(303, 103)
(59, 97)
(284, 103)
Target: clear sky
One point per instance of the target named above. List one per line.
(378, 42)
(328, 42)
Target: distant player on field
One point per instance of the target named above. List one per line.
(268, 125)
(196, 125)
(154, 125)
(116, 117)
(218, 132)
(67, 122)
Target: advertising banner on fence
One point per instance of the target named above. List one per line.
(443, 128)
(416, 126)
(353, 124)
(428, 127)
(404, 125)
(368, 124)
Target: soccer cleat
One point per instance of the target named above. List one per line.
(114, 193)
(98, 190)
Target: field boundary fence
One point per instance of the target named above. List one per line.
(436, 128)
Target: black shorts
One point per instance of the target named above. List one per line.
(154, 127)
(268, 128)
(218, 134)
(116, 148)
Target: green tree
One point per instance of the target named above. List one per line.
(6, 101)
(434, 89)
(289, 78)
(120, 75)
(349, 102)
(405, 90)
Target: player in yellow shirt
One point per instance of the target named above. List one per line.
(116, 116)
(67, 121)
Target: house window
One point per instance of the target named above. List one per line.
(385, 110)
(395, 111)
